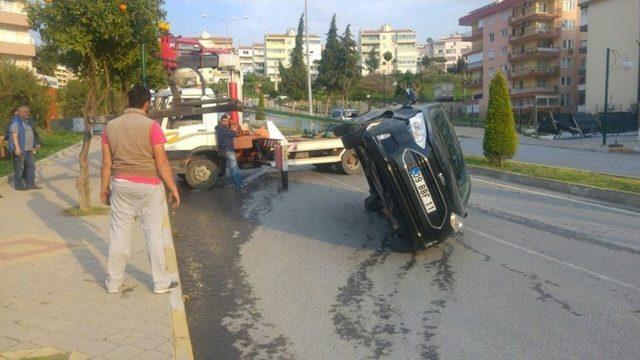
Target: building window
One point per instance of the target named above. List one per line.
(569, 5)
(567, 44)
(492, 72)
(504, 32)
(567, 24)
(492, 37)
(565, 63)
(503, 51)
(541, 82)
(565, 81)
(505, 15)
(490, 20)
(565, 100)
(491, 54)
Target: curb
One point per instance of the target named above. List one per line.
(182, 348)
(613, 196)
(5, 180)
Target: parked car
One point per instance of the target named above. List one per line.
(343, 114)
(415, 168)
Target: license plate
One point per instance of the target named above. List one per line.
(421, 188)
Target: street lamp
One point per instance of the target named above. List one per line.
(626, 65)
(226, 25)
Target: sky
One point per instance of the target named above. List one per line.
(430, 18)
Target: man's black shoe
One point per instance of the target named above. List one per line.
(22, 188)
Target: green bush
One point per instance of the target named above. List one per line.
(500, 139)
(18, 86)
(72, 98)
(260, 114)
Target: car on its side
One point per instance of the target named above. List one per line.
(415, 168)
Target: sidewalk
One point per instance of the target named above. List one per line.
(594, 143)
(52, 273)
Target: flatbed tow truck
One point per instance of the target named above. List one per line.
(189, 116)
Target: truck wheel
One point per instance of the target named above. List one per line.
(202, 173)
(350, 164)
(323, 167)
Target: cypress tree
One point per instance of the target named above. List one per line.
(373, 60)
(500, 138)
(328, 67)
(349, 73)
(294, 78)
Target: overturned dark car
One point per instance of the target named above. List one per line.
(416, 173)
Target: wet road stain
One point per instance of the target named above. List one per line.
(221, 313)
(554, 230)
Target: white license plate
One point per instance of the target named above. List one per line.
(421, 188)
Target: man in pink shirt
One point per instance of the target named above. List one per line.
(134, 164)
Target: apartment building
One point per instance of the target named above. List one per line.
(613, 24)
(216, 42)
(189, 77)
(63, 75)
(401, 43)
(278, 47)
(450, 49)
(16, 43)
(534, 43)
(258, 58)
(246, 59)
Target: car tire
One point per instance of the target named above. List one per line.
(350, 164)
(372, 204)
(202, 173)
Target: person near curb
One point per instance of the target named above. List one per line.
(133, 163)
(225, 136)
(24, 142)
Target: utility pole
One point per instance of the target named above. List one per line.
(606, 100)
(306, 32)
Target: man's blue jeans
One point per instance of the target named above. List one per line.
(234, 171)
(24, 175)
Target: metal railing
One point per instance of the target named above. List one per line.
(535, 10)
(550, 51)
(537, 70)
(534, 89)
(536, 31)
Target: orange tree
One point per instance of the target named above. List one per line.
(99, 41)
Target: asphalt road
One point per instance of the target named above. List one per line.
(612, 163)
(297, 275)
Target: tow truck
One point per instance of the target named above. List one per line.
(188, 118)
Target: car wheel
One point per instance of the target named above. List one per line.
(202, 173)
(350, 164)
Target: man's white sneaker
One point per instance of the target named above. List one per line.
(174, 285)
(112, 289)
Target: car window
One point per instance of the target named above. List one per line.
(443, 129)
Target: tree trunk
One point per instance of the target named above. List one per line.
(326, 106)
(89, 112)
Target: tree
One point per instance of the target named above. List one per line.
(348, 58)
(328, 67)
(46, 60)
(294, 78)
(99, 41)
(260, 113)
(388, 56)
(373, 60)
(426, 61)
(72, 98)
(19, 86)
(459, 68)
(500, 139)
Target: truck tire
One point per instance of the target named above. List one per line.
(350, 165)
(202, 173)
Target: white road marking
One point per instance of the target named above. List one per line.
(629, 212)
(553, 259)
(342, 183)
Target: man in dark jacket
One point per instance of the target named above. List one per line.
(23, 143)
(224, 137)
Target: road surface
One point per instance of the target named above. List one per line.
(612, 163)
(297, 275)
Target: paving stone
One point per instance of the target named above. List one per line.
(153, 355)
(123, 352)
(125, 338)
(5, 343)
(150, 342)
(98, 348)
(166, 348)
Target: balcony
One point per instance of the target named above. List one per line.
(17, 49)
(535, 34)
(473, 83)
(583, 50)
(532, 53)
(535, 14)
(472, 35)
(16, 19)
(534, 72)
(533, 90)
(582, 72)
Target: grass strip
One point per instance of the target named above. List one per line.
(52, 142)
(599, 180)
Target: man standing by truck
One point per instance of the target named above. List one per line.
(133, 164)
(23, 143)
(224, 137)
